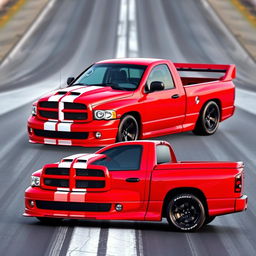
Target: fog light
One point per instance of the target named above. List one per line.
(119, 207)
(32, 203)
(98, 135)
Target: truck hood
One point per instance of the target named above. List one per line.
(94, 95)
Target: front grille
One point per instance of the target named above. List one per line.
(74, 111)
(56, 183)
(75, 116)
(72, 206)
(69, 105)
(48, 104)
(61, 135)
(48, 114)
(57, 171)
(90, 183)
(54, 177)
(89, 173)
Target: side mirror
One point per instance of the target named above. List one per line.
(156, 86)
(70, 80)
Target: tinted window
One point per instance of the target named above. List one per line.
(118, 76)
(122, 158)
(161, 73)
(163, 154)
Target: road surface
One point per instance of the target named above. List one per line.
(72, 35)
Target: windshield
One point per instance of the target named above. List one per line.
(118, 76)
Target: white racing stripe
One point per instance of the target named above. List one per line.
(61, 196)
(50, 126)
(65, 142)
(77, 197)
(50, 141)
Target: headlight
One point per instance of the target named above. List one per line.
(35, 181)
(104, 114)
(34, 110)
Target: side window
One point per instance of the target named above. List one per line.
(161, 73)
(163, 154)
(122, 158)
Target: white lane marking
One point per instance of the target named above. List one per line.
(50, 141)
(65, 142)
(122, 30)
(30, 31)
(50, 126)
(84, 241)
(133, 37)
(57, 243)
(121, 242)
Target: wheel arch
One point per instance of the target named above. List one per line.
(183, 190)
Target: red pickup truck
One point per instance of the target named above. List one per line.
(137, 180)
(129, 99)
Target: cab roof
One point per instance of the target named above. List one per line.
(136, 61)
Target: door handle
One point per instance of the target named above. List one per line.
(175, 96)
(132, 180)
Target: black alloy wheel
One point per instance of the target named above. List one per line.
(209, 119)
(128, 129)
(186, 212)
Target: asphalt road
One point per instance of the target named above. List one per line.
(76, 33)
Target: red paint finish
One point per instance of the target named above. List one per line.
(141, 199)
(157, 112)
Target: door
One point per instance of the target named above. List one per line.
(165, 109)
(129, 176)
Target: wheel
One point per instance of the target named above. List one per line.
(185, 212)
(128, 129)
(209, 219)
(46, 220)
(209, 119)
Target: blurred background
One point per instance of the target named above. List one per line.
(42, 42)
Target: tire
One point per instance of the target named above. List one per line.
(209, 219)
(128, 129)
(186, 212)
(209, 119)
(50, 221)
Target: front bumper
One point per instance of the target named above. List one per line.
(108, 130)
(132, 209)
